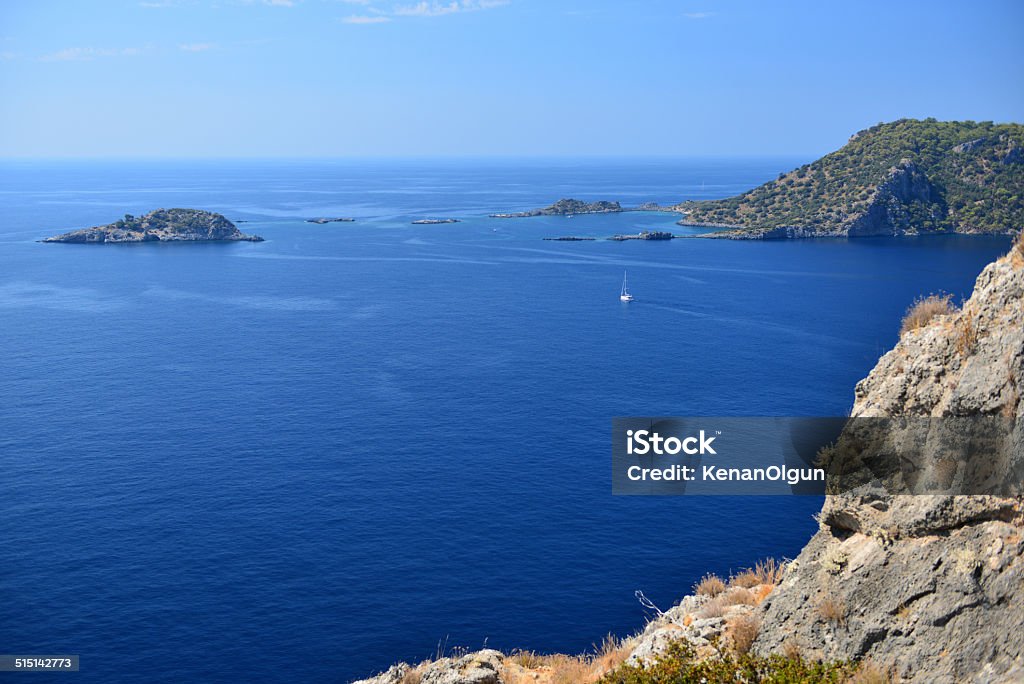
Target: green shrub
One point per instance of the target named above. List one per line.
(680, 665)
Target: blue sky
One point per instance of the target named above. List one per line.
(229, 78)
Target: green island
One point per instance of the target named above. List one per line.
(907, 177)
(567, 207)
(161, 225)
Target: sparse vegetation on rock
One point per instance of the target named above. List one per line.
(566, 207)
(162, 225)
(905, 177)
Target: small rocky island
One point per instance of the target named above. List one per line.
(330, 220)
(567, 207)
(644, 235)
(431, 222)
(162, 225)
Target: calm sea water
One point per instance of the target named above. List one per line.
(303, 459)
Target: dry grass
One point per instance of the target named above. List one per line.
(1017, 252)
(610, 653)
(924, 310)
(746, 579)
(738, 596)
(527, 667)
(762, 592)
(413, 676)
(833, 610)
(712, 609)
(767, 571)
(570, 669)
(525, 659)
(551, 669)
(791, 650)
(709, 585)
(869, 673)
(742, 631)
(966, 334)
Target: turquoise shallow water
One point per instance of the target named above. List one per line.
(305, 458)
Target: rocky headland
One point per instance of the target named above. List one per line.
(908, 177)
(892, 588)
(162, 225)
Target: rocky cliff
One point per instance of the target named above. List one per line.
(930, 585)
(906, 587)
(162, 225)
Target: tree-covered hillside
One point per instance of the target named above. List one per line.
(908, 176)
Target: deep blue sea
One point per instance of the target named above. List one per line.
(304, 459)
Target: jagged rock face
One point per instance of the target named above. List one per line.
(932, 585)
(929, 374)
(888, 212)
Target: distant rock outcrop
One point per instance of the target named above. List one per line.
(162, 225)
(330, 220)
(644, 235)
(567, 207)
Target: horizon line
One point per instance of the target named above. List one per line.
(411, 157)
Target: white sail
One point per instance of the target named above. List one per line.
(624, 295)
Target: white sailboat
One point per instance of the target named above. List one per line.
(625, 296)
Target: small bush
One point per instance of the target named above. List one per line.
(869, 673)
(526, 659)
(742, 631)
(791, 649)
(679, 664)
(712, 609)
(569, 669)
(769, 571)
(924, 309)
(834, 560)
(738, 596)
(833, 610)
(746, 579)
(611, 653)
(709, 585)
(966, 334)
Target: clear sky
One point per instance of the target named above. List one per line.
(227, 78)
